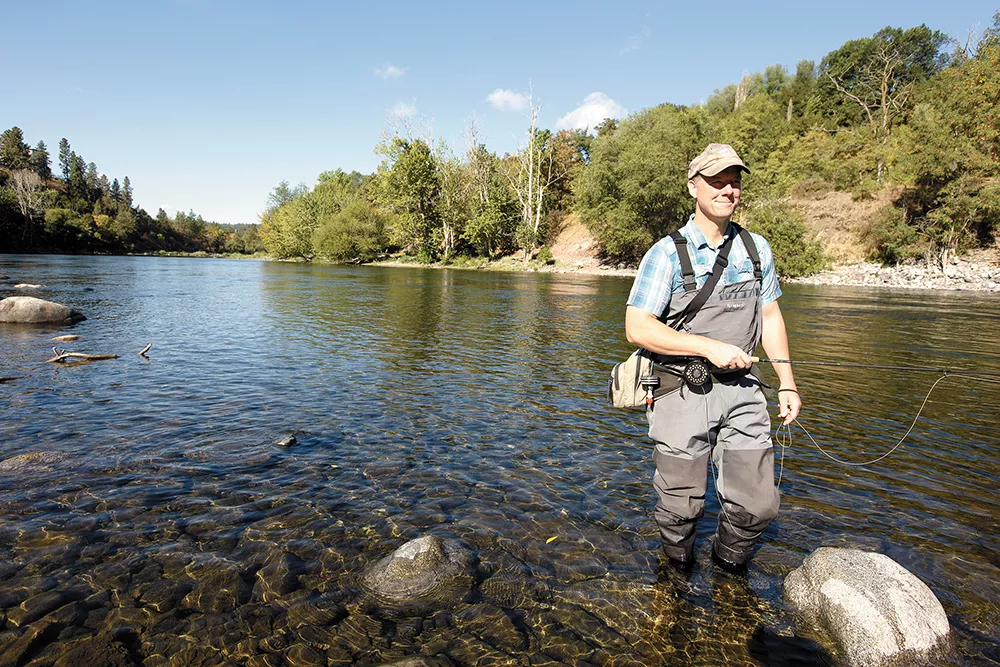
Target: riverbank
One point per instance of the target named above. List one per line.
(973, 273)
(978, 271)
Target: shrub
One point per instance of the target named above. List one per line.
(785, 230)
(357, 233)
(890, 239)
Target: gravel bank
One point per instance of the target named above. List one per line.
(968, 274)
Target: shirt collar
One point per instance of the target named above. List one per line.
(698, 238)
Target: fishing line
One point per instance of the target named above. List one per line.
(899, 443)
(784, 439)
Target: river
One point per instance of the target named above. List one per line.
(161, 515)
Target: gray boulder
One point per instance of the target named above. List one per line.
(427, 570)
(874, 608)
(29, 310)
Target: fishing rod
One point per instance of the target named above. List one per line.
(847, 364)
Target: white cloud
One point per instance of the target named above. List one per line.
(403, 110)
(390, 71)
(504, 99)
(595, 108)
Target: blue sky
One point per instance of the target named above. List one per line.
(207, 105)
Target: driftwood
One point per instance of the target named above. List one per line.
(10, 379)
(145, 350)
(66, 338)
(63, 355)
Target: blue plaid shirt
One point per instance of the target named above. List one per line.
(659, 274)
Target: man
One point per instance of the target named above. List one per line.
(725, 419)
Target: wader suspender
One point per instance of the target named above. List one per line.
(721, 262)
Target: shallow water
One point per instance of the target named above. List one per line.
(162, 518)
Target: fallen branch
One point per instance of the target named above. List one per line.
(10, 379)
(145, 350)
(63, 355)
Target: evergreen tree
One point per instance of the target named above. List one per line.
(40, 161)
(116, 191)
(92, 179)
(77, 174)
(127, 192)
(14, 153)
(64, 154)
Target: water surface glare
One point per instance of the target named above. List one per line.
(160, 519)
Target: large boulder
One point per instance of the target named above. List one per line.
(29, 310)
(876, 610)
(424, 571)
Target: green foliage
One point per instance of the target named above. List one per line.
(14, 153)
(356, 233)
(785, 230)
(890, 239)
(634, 189)
(545, 256)
(410, 186)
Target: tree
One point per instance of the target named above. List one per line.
(410, 187)
(116, 191)
(14, 153)
(875, 77)
(27, 185)
(92, 184)
(634, 190)
(127, 192)
(64, 155)
(356, 233)
(77, 175)
(530, 174)
(40, 161)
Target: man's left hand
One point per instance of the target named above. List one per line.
(789, 405)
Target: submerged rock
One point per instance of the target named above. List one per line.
(30, 460)
(425, 570)
(29, 310)
(876, 610)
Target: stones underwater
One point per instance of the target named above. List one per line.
(875, 609)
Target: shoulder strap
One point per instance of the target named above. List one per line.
(721, 262)
(751, 247)
(684, 257)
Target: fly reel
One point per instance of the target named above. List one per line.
(697, 373)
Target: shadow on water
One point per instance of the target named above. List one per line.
(160, 522)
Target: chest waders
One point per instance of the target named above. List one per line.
(725, 418)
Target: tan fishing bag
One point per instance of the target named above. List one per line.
(624, 390)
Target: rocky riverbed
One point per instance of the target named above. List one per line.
(969, 274)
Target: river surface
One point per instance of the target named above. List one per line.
(160, 521)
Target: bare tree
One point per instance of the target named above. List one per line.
(877, 89)
(532, 173)
(27, 188)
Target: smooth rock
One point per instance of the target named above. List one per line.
(874, 608)
(287, 442)
(26, 286)
(29, 310)
(425, 569)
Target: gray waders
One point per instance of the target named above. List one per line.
(726, 420)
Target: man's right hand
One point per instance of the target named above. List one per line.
(724, 355)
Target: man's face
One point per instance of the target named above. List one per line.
(717, 196)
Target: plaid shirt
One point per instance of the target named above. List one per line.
(659, 274)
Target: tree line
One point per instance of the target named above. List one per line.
(906, 109)
(80, 210)
(909, 110)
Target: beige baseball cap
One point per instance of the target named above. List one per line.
(714, 159)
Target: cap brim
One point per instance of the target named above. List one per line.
(721, 165)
